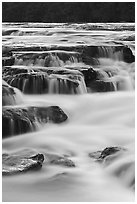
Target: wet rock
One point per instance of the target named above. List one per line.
(95, 155)
(101, 86)
(50, 58)
(17, 121)
(8, 61)
(7, 57)
(106, 153)
(9, 32)
(24, 119)
(89, 75)
(49, 114)
(6, 52)
(39, 81)
(12, 71)
(128, 55)
(95, 79)
(65, 71)
(59, 160)
(30, 83)
(21, 161)
(126, 52)
(109, 151)
(8, 95)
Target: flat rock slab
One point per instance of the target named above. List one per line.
(22, 161)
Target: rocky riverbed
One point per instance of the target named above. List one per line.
(68, 112)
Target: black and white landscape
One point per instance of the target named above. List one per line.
(68, 106)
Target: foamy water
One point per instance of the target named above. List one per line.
(95, 121)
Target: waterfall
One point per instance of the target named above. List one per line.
(110, 52)
(68, 98)
(47, 59)
(11, 95)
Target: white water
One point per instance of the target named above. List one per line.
(95, 121)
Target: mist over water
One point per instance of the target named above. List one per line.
(48, 59)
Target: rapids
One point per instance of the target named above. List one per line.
(52, 67)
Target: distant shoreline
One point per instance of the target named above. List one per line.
(68, 12)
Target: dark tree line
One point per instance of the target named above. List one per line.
(60, 12)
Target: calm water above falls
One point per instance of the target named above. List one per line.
(87, 70)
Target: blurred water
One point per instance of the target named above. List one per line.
(96, 121)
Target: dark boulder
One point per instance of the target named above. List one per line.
(17, 121)
(90, 51)
(90, 75)
(7, 57)
(6, 52)
(126, 52)
(49, 114)
(21, 161)
(8, 61)
(29, 83)
(101, 86)
(22, 120)
(128, 55)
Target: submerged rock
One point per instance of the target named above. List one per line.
(21, 161)
(49, 114)
(59, 160)
(109, 151)
(24, 119)
(106, 153)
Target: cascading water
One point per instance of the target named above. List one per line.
(10, 95)
(47, 59)
(68, 112)
(110, 52)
